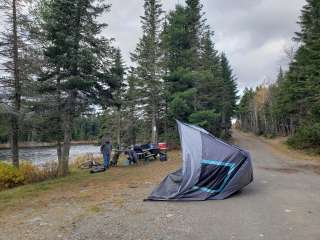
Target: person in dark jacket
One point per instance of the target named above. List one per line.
(132, 157)
(106, 149)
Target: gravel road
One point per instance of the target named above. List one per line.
(283, 203)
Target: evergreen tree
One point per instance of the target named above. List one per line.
(147, 56)
(209, 56)
(302, 82)
(195, 24)
(175, 39)
(210, 87)
(197, 82)
(16, 65)
(132, 100)
(229, 95)
(117, 75)
(76, 61)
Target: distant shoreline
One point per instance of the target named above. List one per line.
(44, 145)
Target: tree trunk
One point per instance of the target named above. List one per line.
(154, 132)
(119, 127)
(166, 122)
(17, 90)
(14, 140)
(223, 123)
(59, 151)
(63, 168)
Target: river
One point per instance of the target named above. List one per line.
(46, 154)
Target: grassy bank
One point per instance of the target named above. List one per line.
(280, 145)
(80, 185)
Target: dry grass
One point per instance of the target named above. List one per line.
(87, 189)
(27, 173)
(279, 144)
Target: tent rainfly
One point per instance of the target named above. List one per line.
(212, 169)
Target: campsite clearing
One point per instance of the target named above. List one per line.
(283, 203)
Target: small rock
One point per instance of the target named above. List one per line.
(288, 211)
(170, 215)
(261, 235)
(34, 220)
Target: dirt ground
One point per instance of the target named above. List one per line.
(283, 203)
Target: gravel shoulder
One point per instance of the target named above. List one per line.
(283, 203)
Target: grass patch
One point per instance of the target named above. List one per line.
(82, 187)
(95, 209)
(13, 196)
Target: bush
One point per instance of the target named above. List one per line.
(209, 120)
(11, 177)
(307, 137)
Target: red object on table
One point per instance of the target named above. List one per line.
(163, 146)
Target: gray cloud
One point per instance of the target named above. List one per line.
(253, 33)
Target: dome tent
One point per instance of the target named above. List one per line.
(212, 169)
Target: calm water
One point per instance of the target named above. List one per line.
(43, 155)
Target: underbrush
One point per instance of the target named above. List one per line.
(307, 138)
(27, 173)
(11, 176)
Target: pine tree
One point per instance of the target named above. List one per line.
(76, 61)
(302, 82)
(211, 87)
(209, 56)
(147, 56)
(229, 96)
(195, 81)
(117, 75)
(14, 52)
(132, 100)
(195, 25)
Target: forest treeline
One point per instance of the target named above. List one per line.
(61, 79)
(291, 106)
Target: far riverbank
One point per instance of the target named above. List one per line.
(45, 144)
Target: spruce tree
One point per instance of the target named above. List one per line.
(132, 102)
(16, 65)
(229, 95)
(194, 24)
(76, 58)
(195, 81)
(301, 89)
(210, 88)
(147, 56)
(118, 75)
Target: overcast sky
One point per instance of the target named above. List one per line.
(253, 33)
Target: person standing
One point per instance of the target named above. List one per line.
(106, 149)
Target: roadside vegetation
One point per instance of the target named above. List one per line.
(290, 106)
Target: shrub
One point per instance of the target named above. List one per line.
(11, 177)
(209, 120)
(307, 137)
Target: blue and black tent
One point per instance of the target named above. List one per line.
(212, 169)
